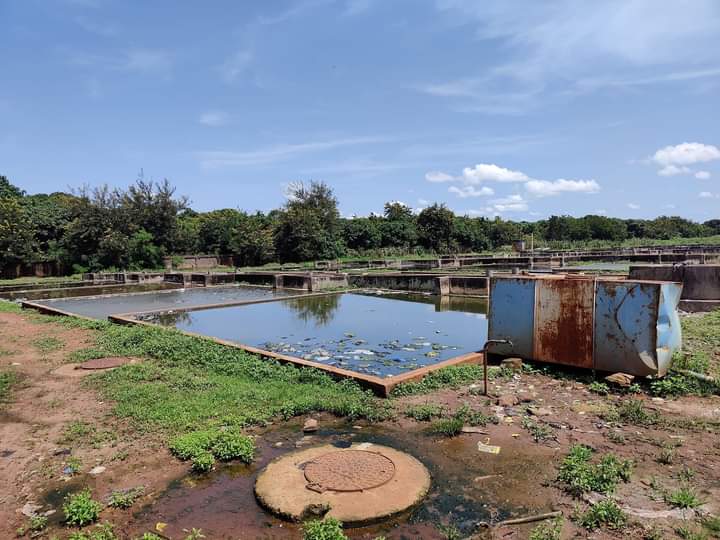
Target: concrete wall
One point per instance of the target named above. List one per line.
(700, 282)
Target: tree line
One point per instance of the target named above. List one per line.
(134, 228)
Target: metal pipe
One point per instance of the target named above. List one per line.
(485, 362)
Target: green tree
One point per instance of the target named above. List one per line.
(471, 234)
(362, 234)
(16, 234)
(435, 227)
(309, 225)
(216, 230)
(143, 252)
(8, 190)
(252, 242)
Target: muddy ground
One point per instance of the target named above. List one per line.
(51, 418)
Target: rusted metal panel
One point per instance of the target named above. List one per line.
(511, 315)
(637, 326)
(564, 321)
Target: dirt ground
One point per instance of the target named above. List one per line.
(52, 417)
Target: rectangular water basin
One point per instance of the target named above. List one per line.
(378, 337)
(101, 307)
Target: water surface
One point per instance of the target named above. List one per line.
(381, 335)
(100, 307)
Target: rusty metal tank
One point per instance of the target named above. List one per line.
(607, 324)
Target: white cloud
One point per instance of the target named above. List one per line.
(702, 175)
(356, 7)
(707, 195)
(279, 152)
(438, 176)
(674, 170)
(686, 154)
(236, 65)
(600, 212)
(471, 191)
(513, 203)
(545, 188)
(633, 206)
(214, 118)
(491, 172)
(548, 46)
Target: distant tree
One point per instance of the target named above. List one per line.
(253, 242)
(143, 252)
(362, 234)
(713, 226)
(399, 228)
(435, 227)
(9, 190)
(216, 230)
(50, 216)
(503, 233)
(16, 233)
(187, 236)
(309, 225)
(471, 234)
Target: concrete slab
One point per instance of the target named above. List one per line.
(380, 491)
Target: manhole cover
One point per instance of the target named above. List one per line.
(104, 363)
(348, 470)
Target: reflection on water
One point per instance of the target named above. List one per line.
(315, 309)
(382, 335)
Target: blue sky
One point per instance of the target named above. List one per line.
(516, 108)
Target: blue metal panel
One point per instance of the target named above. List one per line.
(511, 315)
(669, 331)
(636, 326)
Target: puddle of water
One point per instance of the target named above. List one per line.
(382, 335)
(101, 307)
(223, 504)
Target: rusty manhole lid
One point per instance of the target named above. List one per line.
(105, 363)
(348, 470)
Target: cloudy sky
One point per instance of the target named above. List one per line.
(516, 108)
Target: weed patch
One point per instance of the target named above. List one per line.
(81, 509)
(7, 380)
(685, 497)
(448, 427)
(327, 529)
(449, 377)
(202, 447)
(579, 475)
(606, 513)
(425, 412)
(548, 530)
(125, 498)
(48, 344)
(539, 432)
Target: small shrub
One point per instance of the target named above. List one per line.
(603, 514)
(203, 461)
(425, 412)
(548, 530)
(473, 417)
(190, 444)
(449, 427)
(327, 529)
(616, 436)
(686, 533)
(73, 465)
(685, 497)
(449, 532)
(81, 509)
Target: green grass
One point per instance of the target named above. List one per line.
(631, 411)
(548, 530)
(327, 529)
(48, 344)
(684, 497)
(8, 379)
(203, 446)
(191, 382)
(578, 474)
(32, 280)
(424, 412)
(9, 307)
(125, 498)
(449, 377)
(448, 427)
(606, 513)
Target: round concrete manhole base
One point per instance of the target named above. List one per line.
(363, 484)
